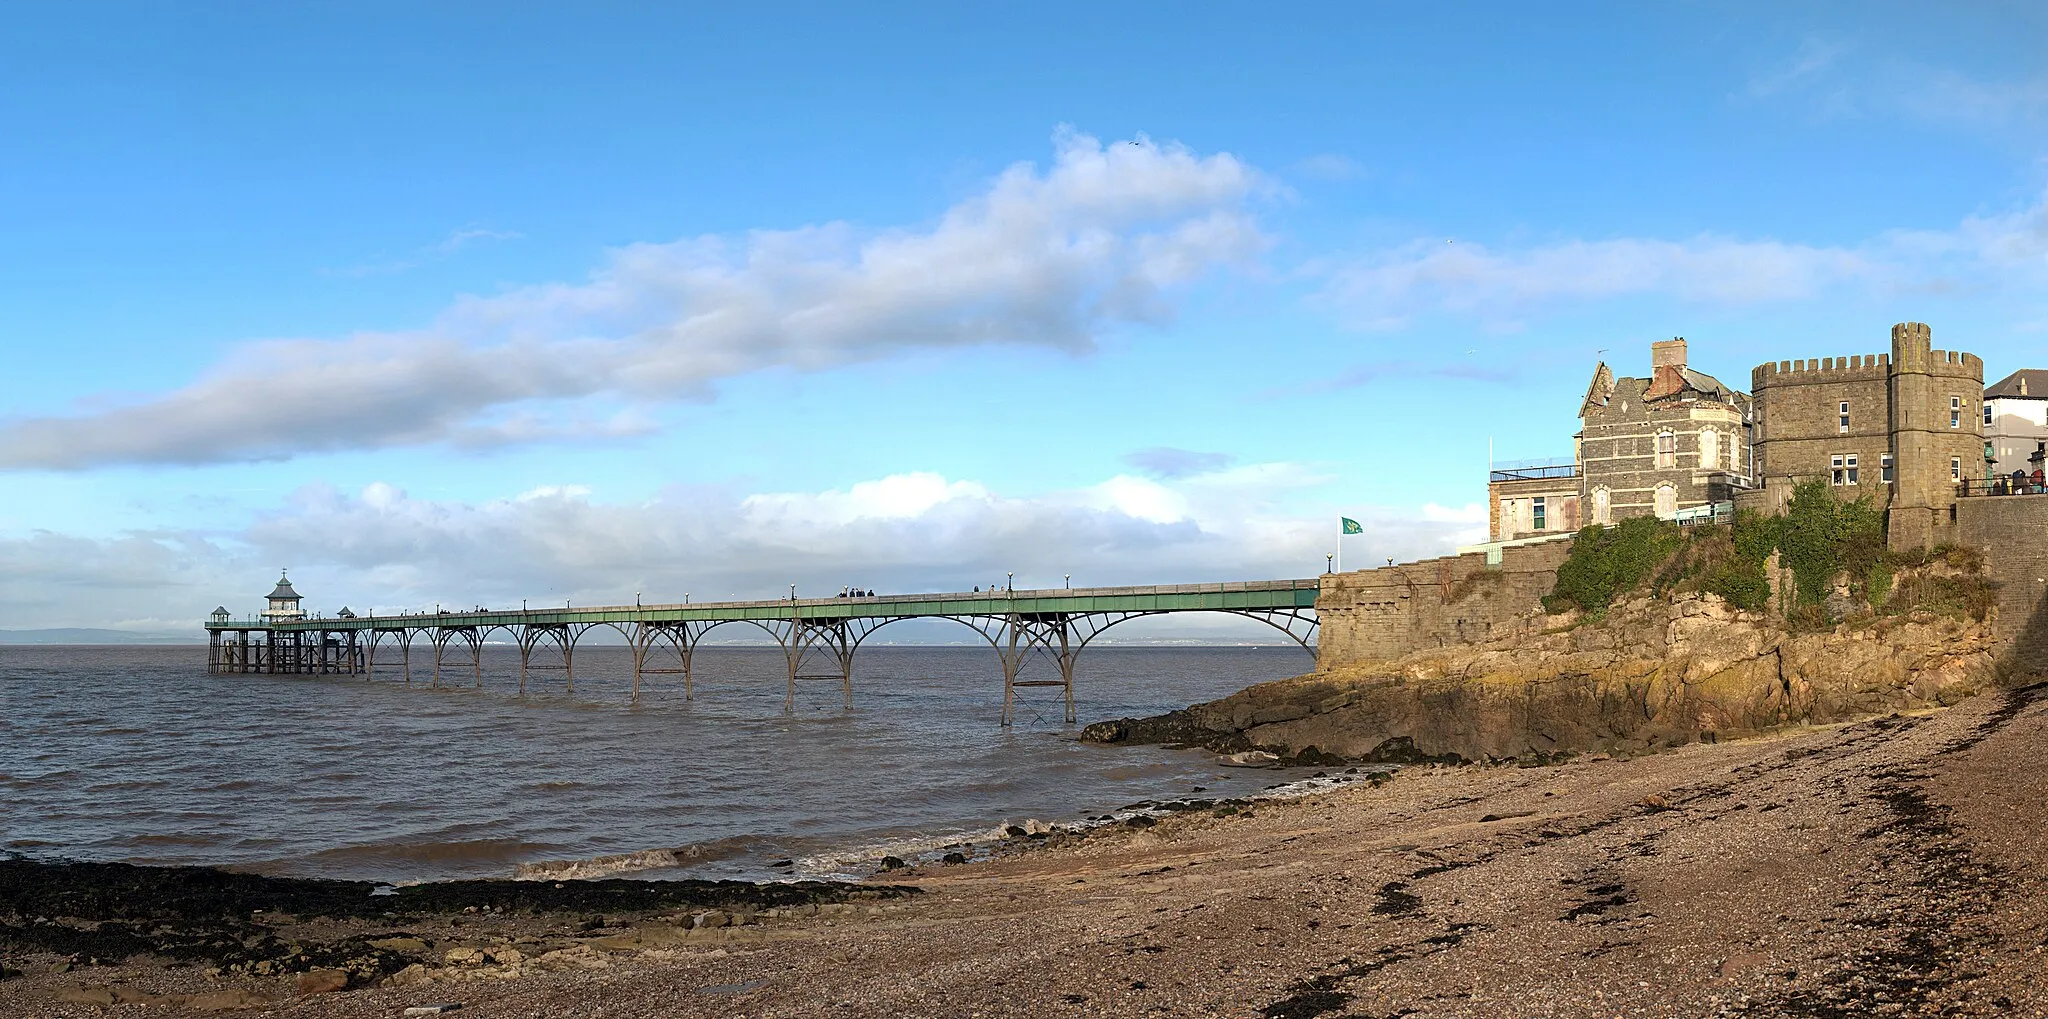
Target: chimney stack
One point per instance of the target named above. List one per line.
(1668, 354)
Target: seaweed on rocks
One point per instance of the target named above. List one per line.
(113, 911)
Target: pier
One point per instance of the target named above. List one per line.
(818, 636)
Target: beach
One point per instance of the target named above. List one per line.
(1891, 866)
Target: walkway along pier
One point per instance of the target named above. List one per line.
(818, 636)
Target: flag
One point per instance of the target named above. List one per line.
(1351, 526)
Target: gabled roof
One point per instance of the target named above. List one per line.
(1709, 385)
(1675, 381)
(283, 590)
(220, 610)
(1599, 390)
(2025, 384)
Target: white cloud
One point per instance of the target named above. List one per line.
(456, 240)
(1387, 288)
(909, 532)
(1054, 258)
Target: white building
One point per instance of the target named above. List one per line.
(2016, 419)
(284, 602)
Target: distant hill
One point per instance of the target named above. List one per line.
(90, 635)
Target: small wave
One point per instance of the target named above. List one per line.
(852, 862)
(32, 781)
(195, 839)
(115, 787)
(597, 866)
(465, 851)
(628, 863)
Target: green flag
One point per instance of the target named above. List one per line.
(1351, 526)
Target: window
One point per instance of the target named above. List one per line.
(1955, 468)
(1667, 502)
(1710, 450)
(1602, 507)
(1884, 467)
(1838, 473)
(1955, 412)
(1536, 514)
(1667, 449)
(1850, 461)
(1987, 414)
(1845, 415)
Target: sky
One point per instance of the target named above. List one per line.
(472, 303)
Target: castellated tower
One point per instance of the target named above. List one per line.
(1904, 429)
(1937, 434)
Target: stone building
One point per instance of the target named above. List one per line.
(1903, 428)
(1673, 445)
(1531, 499)
(2016, 420)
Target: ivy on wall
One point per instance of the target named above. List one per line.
(1606, 561)
(1821, 537)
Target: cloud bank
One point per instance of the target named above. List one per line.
(381, 547)
(1102, 238)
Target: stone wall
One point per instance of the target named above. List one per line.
(2012, 531)
(1385, 613)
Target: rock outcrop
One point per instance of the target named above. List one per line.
(1650, 672)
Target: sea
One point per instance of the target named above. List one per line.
(137, 754)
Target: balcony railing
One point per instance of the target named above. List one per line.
(1526, 470)
(1970, 488)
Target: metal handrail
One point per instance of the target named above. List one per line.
(1969, 488)
(1054, 593)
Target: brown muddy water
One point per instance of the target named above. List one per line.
(135, 754)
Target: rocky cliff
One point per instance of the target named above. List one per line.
(1648, 672)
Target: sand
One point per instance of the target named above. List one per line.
(1890, 867)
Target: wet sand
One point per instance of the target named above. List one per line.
(1891, 867)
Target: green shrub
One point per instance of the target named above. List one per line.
(1821, 536)
(1739, 577)
(1965, 598)
(1742, 583)
(1606, 561)
(1756, 536)
(1877, 584)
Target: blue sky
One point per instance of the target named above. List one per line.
(577, 301)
